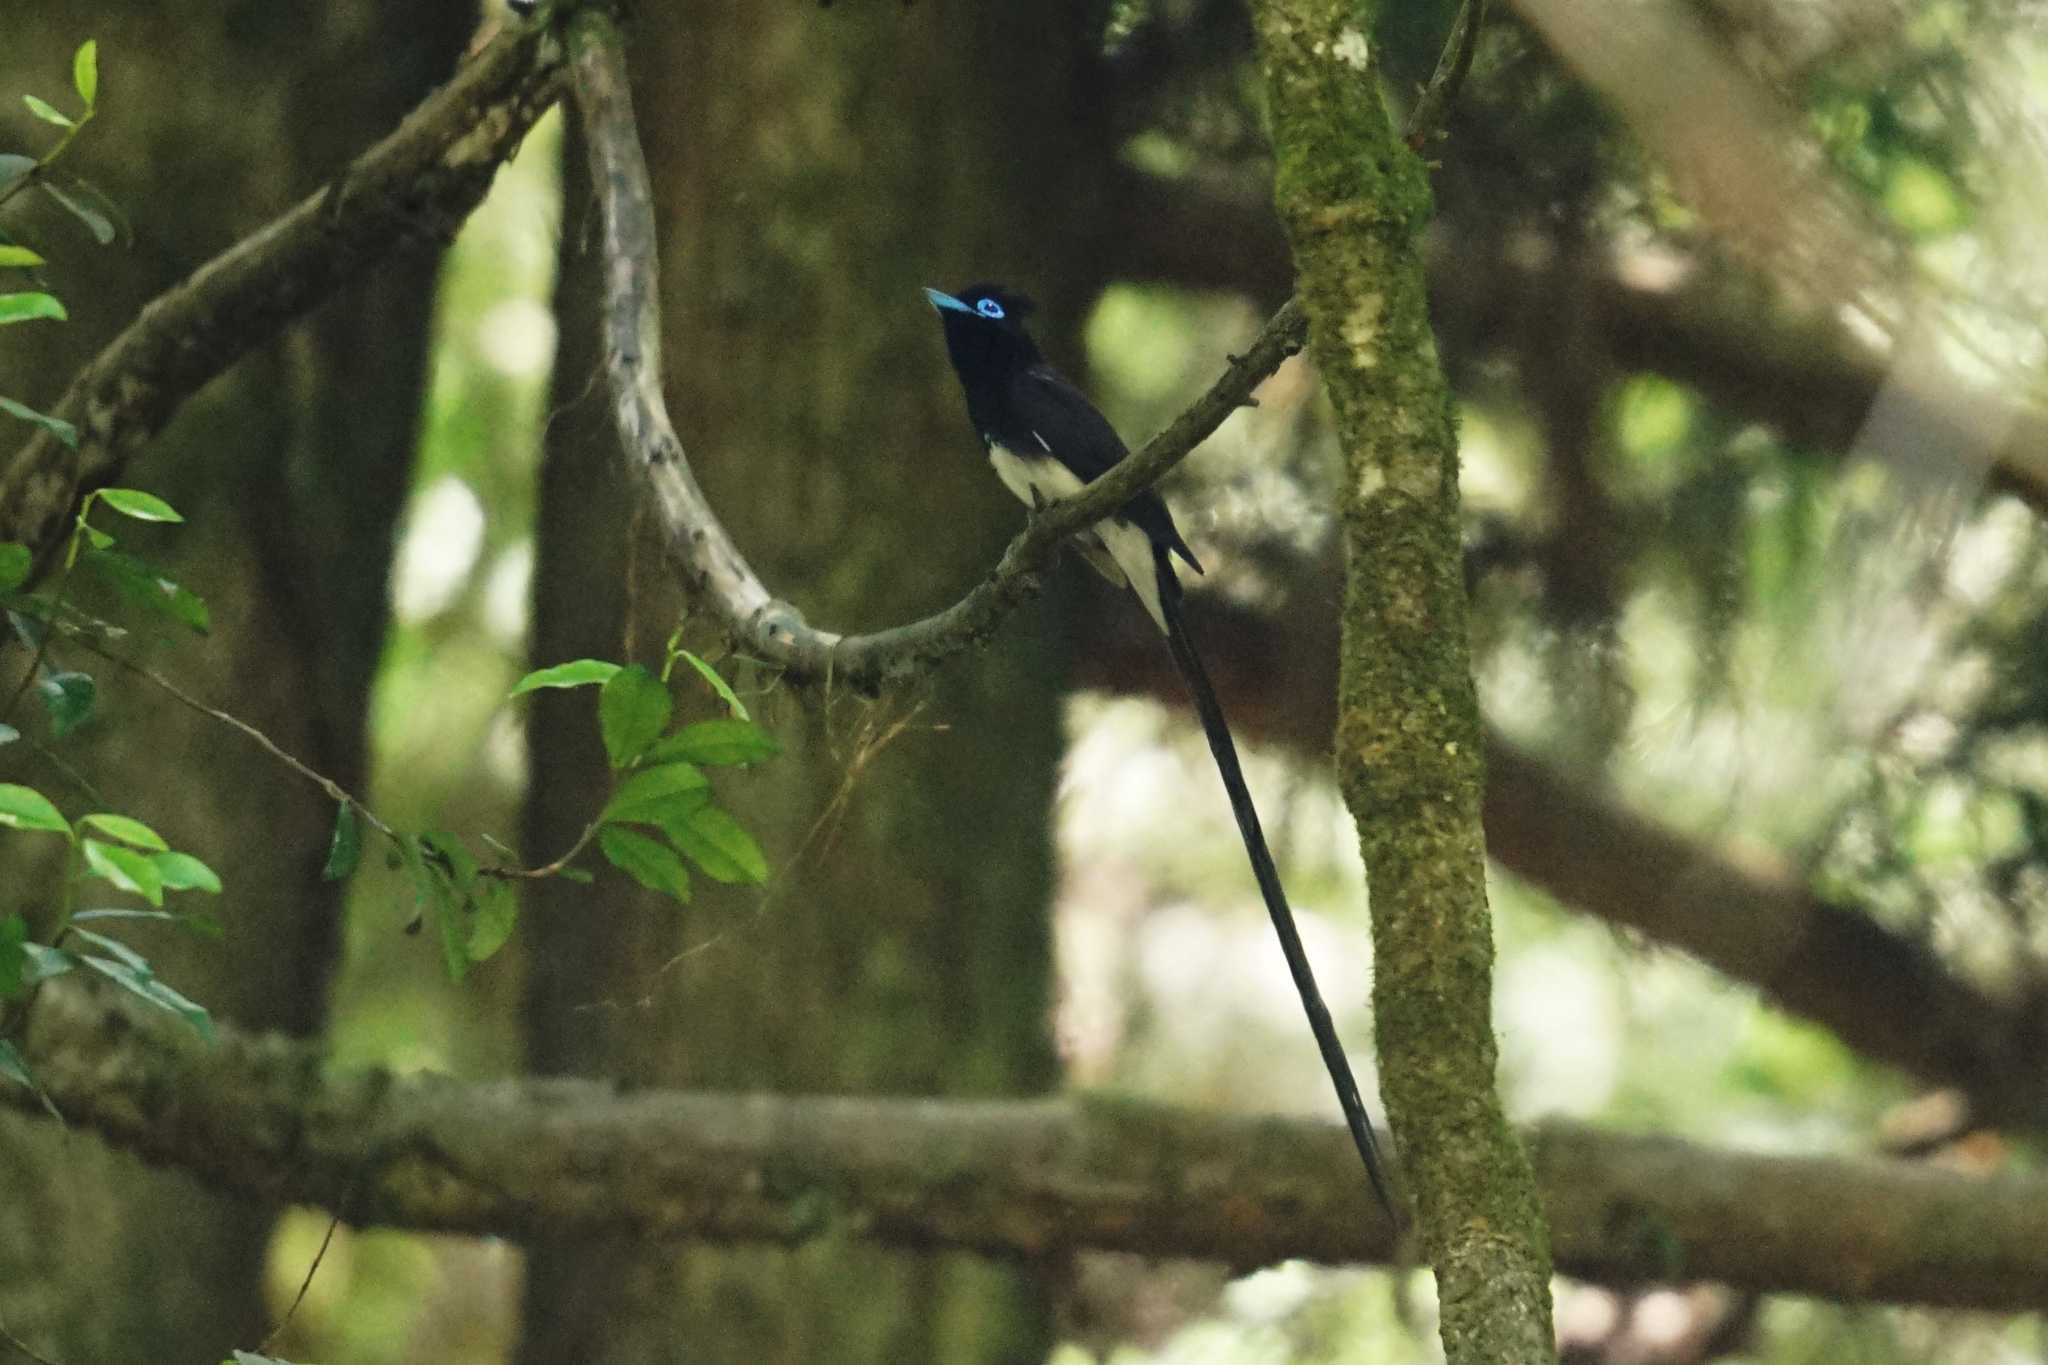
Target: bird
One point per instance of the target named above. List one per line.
(1046, 441)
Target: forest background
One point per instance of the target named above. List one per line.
(1739, 308)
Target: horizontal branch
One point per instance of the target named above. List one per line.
(413, 188)
(1885, 995)
(1028, 1178)
(711, 564)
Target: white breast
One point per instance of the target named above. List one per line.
(1036, 473)
(1038, 478)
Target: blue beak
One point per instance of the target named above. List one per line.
(944, 301)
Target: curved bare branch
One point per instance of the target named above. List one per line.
(762, 625)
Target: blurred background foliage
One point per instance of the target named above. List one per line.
(1718, 578)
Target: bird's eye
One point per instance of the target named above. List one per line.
(989, 308)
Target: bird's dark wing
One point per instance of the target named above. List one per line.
(1060, 420)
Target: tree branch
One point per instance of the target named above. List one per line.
(711, 564)
(415, 187)
(1409, 744)
(1884, 994)
(1426, 119)
(1030, 1178)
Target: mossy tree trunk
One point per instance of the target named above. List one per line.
(1355, 201)
(291, 471)
(812, 167)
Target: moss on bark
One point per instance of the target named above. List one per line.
(1354, 201)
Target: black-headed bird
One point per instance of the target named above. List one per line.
(1046, 441)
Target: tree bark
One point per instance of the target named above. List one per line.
(812, 168)
(1025, 1180)
(290, 472)
(1410, 760)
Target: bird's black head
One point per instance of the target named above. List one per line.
(985, 329)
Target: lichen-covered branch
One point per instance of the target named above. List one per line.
(413, 188)
(1354, 201)
(260, 1116)
(763, 626)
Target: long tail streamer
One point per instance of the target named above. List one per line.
(1268, 877)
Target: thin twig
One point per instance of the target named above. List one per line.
(41, 170)
(42, 650)
(304, 1285)
(16, 1344)
(1426, 119)
(335, 790)
(340, 794)
(553, 869)
(69, 773)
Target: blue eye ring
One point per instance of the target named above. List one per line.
(989, 308)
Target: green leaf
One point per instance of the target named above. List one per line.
(127, 831)
(205, 926)
(45, 962)
(13, 1067)
(15, 563)
(632, 711)
(443, 872)
(451, 857)
(647, 861)
(718, 684)
(133, 502)
(42, 110)
(135, 961)
(31, 307)
(30, 629)
(579, 875)
(654, 795)
(126, 869)
(140, 582)
(188, 606)
(8, 734)
(577, 673)
(183, 872)
(56, 426)
(26, 808)
(13, 956)
(85, 71)
(251, 1358)
(97, 223)
(13, 166)
(68, 698)
(345, 849)
(13, 257)
(497, 914)
(145, 985)
(716, 843)
(716, 743)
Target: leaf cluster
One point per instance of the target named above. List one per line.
(106, 846)
(661, 818)
(19, 172)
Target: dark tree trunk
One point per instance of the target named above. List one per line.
(291, 471)
(813, 168)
